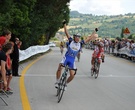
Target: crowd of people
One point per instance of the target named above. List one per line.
(9, 60)
(119, 47)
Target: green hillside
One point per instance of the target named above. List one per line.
(109, 26)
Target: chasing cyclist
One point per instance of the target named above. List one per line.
(61, 47)
(80, 51)
(69, 57)
(98, 53)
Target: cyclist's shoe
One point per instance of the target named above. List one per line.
(65, 88)
(56, 85)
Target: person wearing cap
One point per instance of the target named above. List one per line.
(71, 53)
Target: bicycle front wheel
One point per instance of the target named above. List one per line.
(61, 88)
(97, 70)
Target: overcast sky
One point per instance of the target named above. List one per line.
(103, 7)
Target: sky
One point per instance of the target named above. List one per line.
(103, 7)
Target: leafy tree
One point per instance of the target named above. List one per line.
(132, 36)
(33, 21)
(47, 18)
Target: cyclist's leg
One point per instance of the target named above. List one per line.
(58, 73)
(92, 62)
(72, 71)
(71, 77)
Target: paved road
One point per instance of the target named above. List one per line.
(113, 90)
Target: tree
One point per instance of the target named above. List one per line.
(33, 20)
(132, 36)
(47, 18)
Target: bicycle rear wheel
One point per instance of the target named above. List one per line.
(61, 88)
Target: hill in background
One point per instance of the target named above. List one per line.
(109, 26)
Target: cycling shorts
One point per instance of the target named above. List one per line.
(70, 61)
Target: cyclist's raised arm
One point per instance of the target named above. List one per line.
(92, 36)
(66, 32)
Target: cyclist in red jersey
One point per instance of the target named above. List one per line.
(98, 53)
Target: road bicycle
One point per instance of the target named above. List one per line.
(62, 84)
(95, 70)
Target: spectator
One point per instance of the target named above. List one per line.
(15, 58)
(6, 36)
(6, 50)
(19, 44)
(9, 73)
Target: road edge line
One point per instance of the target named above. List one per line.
(23, 93)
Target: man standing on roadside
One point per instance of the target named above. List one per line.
(15, 58)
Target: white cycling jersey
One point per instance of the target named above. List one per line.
(73, 49)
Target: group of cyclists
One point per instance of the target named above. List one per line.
(74, 47)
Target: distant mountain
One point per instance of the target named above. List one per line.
(109, 26)
(75, 14)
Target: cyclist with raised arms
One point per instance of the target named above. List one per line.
(69, 57)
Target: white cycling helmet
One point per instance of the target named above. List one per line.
(77, 35)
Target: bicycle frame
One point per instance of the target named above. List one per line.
(62, 84)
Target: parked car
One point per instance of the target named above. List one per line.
(51, 44)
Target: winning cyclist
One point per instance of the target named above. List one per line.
(69, 57)
(98, 53)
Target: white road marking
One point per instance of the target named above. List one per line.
(79, 75)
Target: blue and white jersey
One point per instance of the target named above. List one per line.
(72, 51)
(73, 48)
